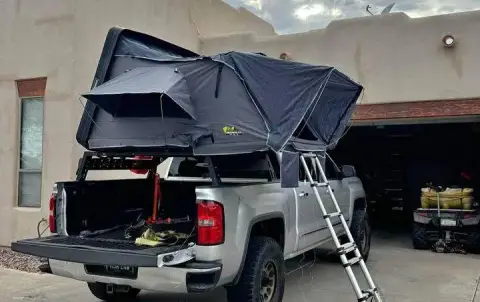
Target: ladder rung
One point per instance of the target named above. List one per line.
(368, 294)
(309, 155)
(330, 215)
(352, 261)
(319, 184)
(346, 248)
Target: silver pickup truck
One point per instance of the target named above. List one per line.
(240, 225)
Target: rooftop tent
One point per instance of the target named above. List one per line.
(225, 104)
(306, 107)
(231, 99)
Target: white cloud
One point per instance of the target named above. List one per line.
(336, 12)
(306, 11)
(289, 16)
(257, 4)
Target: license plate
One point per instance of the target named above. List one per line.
(448, 222)
(118, 269)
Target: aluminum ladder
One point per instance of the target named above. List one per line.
(350, 246)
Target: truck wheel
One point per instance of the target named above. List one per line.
(263, 276)
(475, 246)
(419, 237)
(99, 290)
(361, 232)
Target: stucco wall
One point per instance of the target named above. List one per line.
(62, 40)
(35, 41)
(395, 57)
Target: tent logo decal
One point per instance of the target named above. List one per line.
(230, 130)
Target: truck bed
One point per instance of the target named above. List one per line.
(92, 230)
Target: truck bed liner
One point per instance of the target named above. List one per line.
(93, 250)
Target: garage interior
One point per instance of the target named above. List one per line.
(394, 161)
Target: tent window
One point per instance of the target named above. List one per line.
(303, 132)
(151, 107)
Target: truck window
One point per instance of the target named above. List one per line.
(255, 166)
(331, 169)
(275, 165)
(251, 166)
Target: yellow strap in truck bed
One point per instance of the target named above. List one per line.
(147, 242)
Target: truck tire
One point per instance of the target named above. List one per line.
(262, 275)
(475, 245)
(99, 290)
(361, 232)
(419, 236)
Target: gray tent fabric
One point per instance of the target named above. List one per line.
(241, 103)
(289, 169)
(332, 113)
(284, 90)
(226, 120)
(130, 47)
(142, 88)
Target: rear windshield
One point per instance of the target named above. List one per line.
(261, 166)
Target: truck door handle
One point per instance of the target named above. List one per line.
(303, 194)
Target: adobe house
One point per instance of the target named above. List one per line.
(415, 72)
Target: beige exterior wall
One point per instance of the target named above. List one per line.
(395, 57)
(62, 40)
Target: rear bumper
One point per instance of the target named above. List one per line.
(462, 228)
(192, 278)
(462, 218)
(162, 269)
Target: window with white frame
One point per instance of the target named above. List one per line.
(31, 152)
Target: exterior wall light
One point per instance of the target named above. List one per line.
(448, 41)
(285, 56)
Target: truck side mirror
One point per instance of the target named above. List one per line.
(348, 171)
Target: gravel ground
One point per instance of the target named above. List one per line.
(12, 260)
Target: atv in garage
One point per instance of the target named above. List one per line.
(452, 226)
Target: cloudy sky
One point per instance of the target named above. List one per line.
(290, 16)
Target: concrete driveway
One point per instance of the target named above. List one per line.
(403, 274)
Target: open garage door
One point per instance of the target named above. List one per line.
(398, 157)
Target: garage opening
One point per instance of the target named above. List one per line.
(395, 162)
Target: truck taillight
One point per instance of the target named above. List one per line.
(210, 225)
(51, 218)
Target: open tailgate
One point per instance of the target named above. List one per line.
(103, 252)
